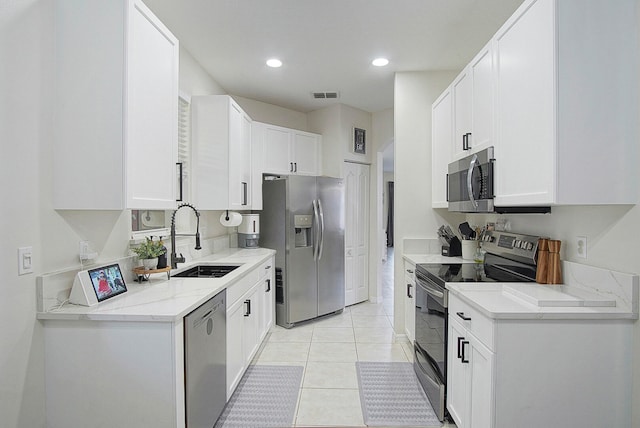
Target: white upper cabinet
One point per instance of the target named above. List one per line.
(462, 89)
(566, 100)
(555, 92)
(473, 105)
(289, 151)
(442, 143)
(284, 151)
(221, 139)
(116, 107)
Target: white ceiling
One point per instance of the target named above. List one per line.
(328, 45)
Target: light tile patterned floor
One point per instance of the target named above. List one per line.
(328, 349)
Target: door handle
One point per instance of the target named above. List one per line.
(247, 311)
(316, 220)
(268, 285)
(295, 167)
(290, 166)
(460, 339)
(244, 192)
(463, 357)
(179, 165)
(472, 165)
(321, 229)
(409, 291)
(462, 315)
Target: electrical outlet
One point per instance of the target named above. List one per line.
(581, 247)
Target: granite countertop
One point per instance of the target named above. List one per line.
(163, 300)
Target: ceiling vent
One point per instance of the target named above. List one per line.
(325, 95)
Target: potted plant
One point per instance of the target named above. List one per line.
(148, 253)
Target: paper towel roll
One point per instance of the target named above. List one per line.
(234, 219)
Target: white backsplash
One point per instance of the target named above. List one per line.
(421, 246)
(619, 285)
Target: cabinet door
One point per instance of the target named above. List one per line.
(305, 153)
(251, 315)
(239, 158)
(152, 112)
(462, 89)
(268, 302)
(526, 110)
(276, 150)
(458, 375)
(235, 355)
(441, 149)
(409, 301)
(481, 361)
(482, 103)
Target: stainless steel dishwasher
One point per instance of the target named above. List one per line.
(205, 362)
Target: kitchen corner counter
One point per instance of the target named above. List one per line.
(162, 300)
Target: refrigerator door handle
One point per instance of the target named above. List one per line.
(321, 229)
(316, 238)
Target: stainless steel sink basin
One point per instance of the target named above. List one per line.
(206, 271)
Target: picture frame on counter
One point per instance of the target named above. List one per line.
(359, 141)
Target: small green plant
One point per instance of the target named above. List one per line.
(149, 249)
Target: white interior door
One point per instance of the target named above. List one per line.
(356, 233)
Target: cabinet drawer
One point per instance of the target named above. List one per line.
(476, 323)
(265, 268)
(238, 289)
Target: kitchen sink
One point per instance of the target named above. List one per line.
(206, 271)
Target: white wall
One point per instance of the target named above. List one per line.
(26, 51)
(275, 115)
(413, 217)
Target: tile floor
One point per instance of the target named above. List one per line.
(328, 349)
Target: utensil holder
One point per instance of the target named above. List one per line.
(469, 248)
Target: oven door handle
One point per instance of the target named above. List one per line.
(429, 290)
(472, 165)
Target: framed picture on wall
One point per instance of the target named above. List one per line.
(359, 141)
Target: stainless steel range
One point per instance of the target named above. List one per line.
(510, 257)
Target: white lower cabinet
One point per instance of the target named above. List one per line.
(410, 301)
(530, 372)
(89, 363)
(249, 318)
(470, 375)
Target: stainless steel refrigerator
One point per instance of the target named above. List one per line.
(303, 220)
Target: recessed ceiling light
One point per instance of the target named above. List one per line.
(274, 62)
(380, 62)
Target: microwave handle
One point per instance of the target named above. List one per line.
(472, 165)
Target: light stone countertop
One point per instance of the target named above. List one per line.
(504, 301)
(162, 300)
(433, 258)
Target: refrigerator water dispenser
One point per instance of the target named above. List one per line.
(302, 225)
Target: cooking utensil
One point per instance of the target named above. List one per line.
(466, 231)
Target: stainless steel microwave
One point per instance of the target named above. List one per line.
(470, 183)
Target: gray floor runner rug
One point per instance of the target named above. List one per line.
(266, 397)
(391, 396)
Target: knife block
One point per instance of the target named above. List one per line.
(453, 249)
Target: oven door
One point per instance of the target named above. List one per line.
(430, 362)
(470, 183)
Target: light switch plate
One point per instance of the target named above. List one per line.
(25, 260)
